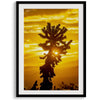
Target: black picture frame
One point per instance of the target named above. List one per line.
(17, 47)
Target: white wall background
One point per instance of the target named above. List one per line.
(7, 51)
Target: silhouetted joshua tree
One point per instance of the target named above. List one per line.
(55, 47)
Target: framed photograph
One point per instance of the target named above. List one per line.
(51, 49)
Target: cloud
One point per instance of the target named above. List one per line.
(33, 12)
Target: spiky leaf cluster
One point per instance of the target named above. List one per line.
(55, 42)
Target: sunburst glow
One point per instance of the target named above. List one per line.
(56, 53)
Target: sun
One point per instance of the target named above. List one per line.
(55, 53)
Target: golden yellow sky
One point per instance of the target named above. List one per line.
(34, 20)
